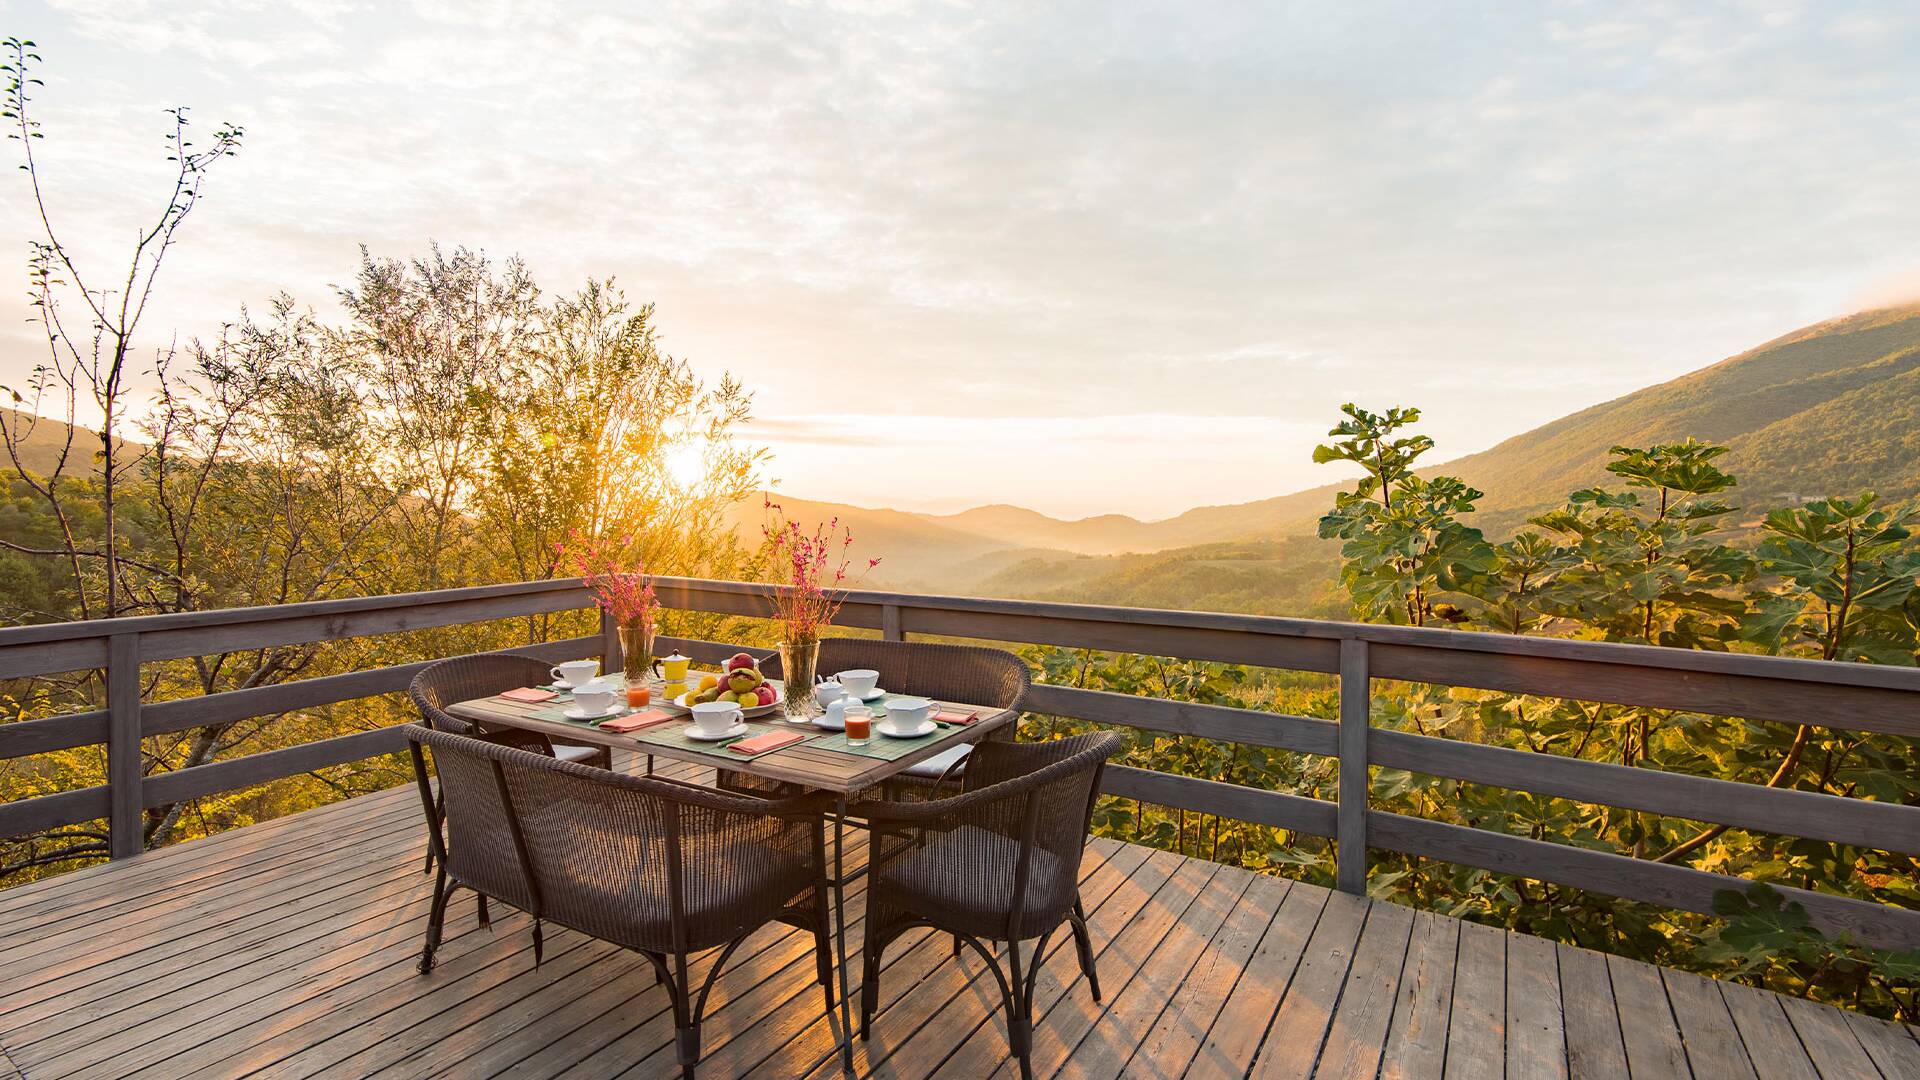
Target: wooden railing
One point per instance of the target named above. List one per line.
(1842, 696)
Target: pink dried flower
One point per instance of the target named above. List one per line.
(816, 566)
(626, 595)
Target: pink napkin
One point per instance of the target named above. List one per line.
(772, 740)
(529, 695)
(624, 724)
(963, 719)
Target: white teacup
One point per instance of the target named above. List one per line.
(909, 714)
(827, 693)
(575, 672)
(716, 717)
(596, 697)
(859, 682)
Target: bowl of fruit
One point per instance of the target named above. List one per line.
(740, 682)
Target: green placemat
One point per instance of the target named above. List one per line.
(674, 735)
(880, 746)
(559, 713)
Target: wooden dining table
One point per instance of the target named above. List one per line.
(843, 773)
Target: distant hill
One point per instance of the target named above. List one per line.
(1831, 408)
(40, 450)
(1828, 409)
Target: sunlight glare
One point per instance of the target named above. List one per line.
(687, 464)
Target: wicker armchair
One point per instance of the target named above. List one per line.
(660, 867)
(484, 675)
(958, 673)
(999, 862)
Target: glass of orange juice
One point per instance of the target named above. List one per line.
(859, 725)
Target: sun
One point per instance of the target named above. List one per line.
(687, 464)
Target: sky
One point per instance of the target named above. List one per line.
(1086, 258)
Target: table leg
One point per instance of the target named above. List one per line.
(840, 929)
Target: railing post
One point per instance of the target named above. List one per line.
(890, 623)
(609, 643)
(126, 832)
(1356, 719)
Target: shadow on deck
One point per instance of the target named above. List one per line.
(288, 949)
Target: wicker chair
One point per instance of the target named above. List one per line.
(484, 675)
(664, 868)
(958, 673)
(998, 862)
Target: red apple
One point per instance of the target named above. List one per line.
(766, 693)
(740, 660)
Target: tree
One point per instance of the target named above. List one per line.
(594, 432)
(1652, 568)
(90, 329)
(1405, 553)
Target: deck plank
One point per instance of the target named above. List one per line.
(1829, 1040)
(1477, 1028)
(290, 949)
(1105, 1049)
(1236, 1034)
(1595, 1048)
(1714, 1050)
(1417, 1035)
(1176, 1036)
(1536, 1024)
(1299, 1026)
(1772, 1044)
(1358, 1035)
(1891, 1046)
(1647, 1026)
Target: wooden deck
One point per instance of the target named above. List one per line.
(288, 950)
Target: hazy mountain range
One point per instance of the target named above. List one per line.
(1828, 409)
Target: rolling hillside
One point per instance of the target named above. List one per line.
(1830, 408)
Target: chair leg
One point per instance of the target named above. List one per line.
(686, 1026)
(439, 815)
(1083, 944)
(822, 946)
(1019, 1013)
(537, 943)
(870, 950)
(435, 915)
(480, 902)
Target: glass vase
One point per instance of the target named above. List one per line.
(636, 654)
(797, 661)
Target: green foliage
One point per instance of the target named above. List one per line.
(1651, 561)
(1853, 571)
(1770, 940)
(1405, 551)
(1649, 564)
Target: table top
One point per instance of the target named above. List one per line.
(810, 766)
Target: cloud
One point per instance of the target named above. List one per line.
(1062, 211)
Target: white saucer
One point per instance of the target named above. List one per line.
(887, 728)
(828, 723)
(876, 695)
(575, 712)
(693, 732)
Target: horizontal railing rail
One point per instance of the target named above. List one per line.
(1853, 697)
